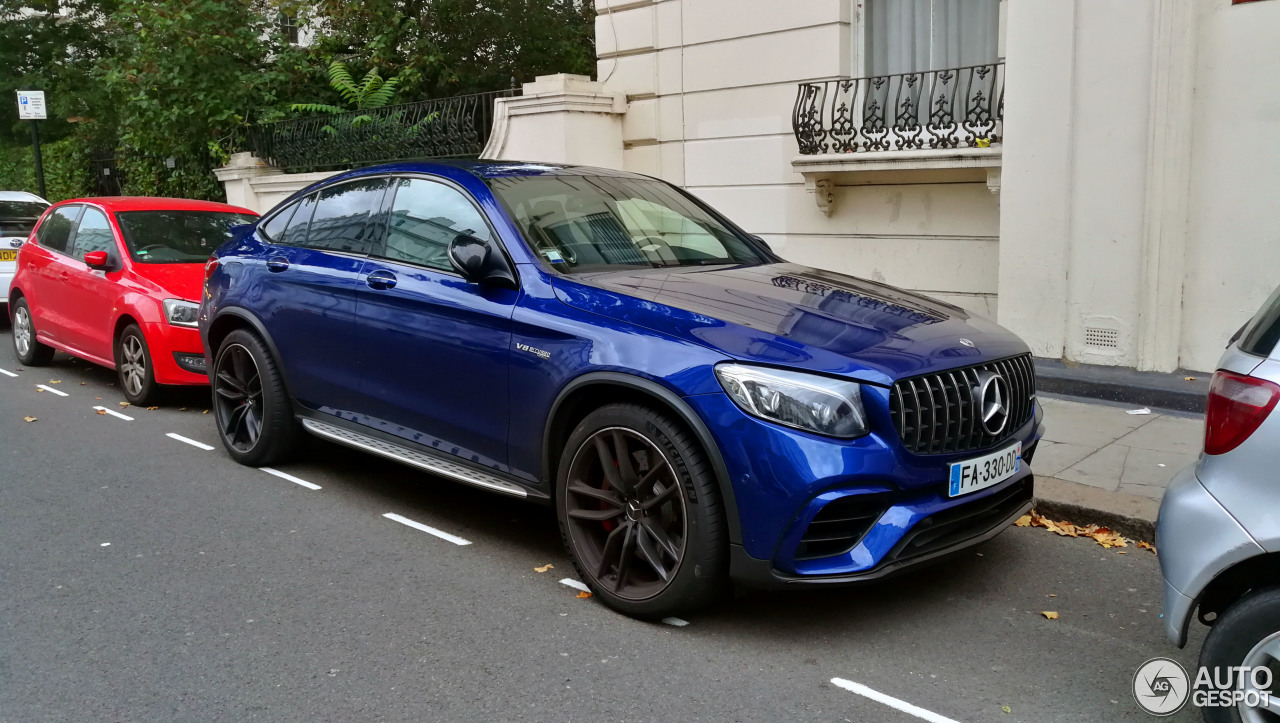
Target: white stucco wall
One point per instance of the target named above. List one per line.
(710, 86)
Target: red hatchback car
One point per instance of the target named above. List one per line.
(117, 281)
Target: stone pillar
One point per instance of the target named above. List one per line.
(237, 177)
(560, 119)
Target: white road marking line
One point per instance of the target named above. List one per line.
(290, 477)
(676, 622)
(114, 413)
(429, 530)
(575, 584)
(7, 373)
(890, 701)
(51, 389)
(191, 442)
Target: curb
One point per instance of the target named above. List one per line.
(1117, 384)
(1130, 515)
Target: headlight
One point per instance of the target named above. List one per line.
(180, 312)
(805, 401)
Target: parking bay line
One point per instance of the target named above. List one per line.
(429, 530)
(51, 389)
(890, 701)
(114, 413)
(191, 442)
(290, 477)
(8, 373)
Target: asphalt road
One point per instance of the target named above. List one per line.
(144, 578)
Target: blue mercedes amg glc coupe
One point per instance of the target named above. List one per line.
(695, 409)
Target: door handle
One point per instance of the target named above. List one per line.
(381, 279)
(277, 264)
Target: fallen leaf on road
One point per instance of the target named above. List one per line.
(98, 398)
(38, 389)
(1052, 595)
(205, 411)
(124, 404)
(1101, 535)
(544, 568)
(28, 419)
(152, 409)
(1049, 615)
(102, 411)
(182, 409)
(55, 381)
(1190, 379)
(1024, 521)
(584, 595)
(1146, 546)
(1005, 709)
(1121, 552)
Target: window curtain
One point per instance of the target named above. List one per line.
(907, 36)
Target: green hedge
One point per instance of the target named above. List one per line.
(68, 170)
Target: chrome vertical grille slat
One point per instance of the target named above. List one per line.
(924, 428)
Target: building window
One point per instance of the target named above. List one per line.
(910, 36)
(288, 25)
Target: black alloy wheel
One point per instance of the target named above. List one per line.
(237, 393)
(639, 512)
(250, 405)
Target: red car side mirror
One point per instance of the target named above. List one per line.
(97, 260)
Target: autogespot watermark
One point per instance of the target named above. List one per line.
(1162, 687)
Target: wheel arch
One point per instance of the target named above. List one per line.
(228, 320)
(591, 391)
(1235, 582)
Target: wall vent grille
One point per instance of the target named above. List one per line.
(1099, 337)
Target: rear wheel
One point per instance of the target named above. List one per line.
(133, 365)
(1247, 634)
(29, 351)
(253, 411)
(640, 512)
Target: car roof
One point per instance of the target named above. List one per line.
(156, 203)
(494, 169)
(21, 196)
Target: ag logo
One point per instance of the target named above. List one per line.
(1161, 686)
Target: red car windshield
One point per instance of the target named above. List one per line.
(177, 237)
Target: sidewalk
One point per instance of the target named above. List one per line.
(1099, 464)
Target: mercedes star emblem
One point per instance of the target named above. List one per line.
(993, 402)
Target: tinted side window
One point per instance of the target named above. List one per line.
(1264, 330)
(341, 220)
(94, 234)
(425, 218)
(56, 229)
(295, 234)
(277, 223)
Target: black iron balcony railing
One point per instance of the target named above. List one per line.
(951, 108)
(456, 127)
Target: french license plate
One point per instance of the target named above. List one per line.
(9, 255)
(980, 473)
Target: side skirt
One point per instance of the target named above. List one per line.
(429, 460)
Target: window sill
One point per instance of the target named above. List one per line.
(823, 172)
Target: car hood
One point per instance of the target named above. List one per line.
(796, 316)
(181, 281)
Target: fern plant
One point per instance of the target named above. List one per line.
(373, 91)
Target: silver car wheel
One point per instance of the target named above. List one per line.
(22, 331)
(1265, 654)
(133, 369)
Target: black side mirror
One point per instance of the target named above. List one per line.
(479, 262)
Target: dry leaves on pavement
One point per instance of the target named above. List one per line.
(55, 381)
(1049, 615)
(544, 568)
(584, 595)
(124, 404)
(102, 411)
(1102, 535)
(28, 419)
(152, 409)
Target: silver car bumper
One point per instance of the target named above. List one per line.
(1197, 539)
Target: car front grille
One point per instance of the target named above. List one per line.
(940, 413)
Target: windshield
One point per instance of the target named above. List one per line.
(177, 237)
(17, 218)
(592, 223)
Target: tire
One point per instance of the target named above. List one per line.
(25, 347)
(134, 369)
(1239, 630)
(661, 549)
(250, 403)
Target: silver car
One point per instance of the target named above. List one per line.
(1219, 528)
(19, 212)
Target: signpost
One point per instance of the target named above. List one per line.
(31, 107)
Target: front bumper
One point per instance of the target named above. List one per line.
(170, 347)
(892, 508)
(1198, 539)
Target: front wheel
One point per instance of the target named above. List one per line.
(250, 404)
(1247, 634)
(640, 512)
(29, 351)
(133, 366)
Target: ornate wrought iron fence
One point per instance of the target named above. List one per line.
(442, 128)
(951, 108)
